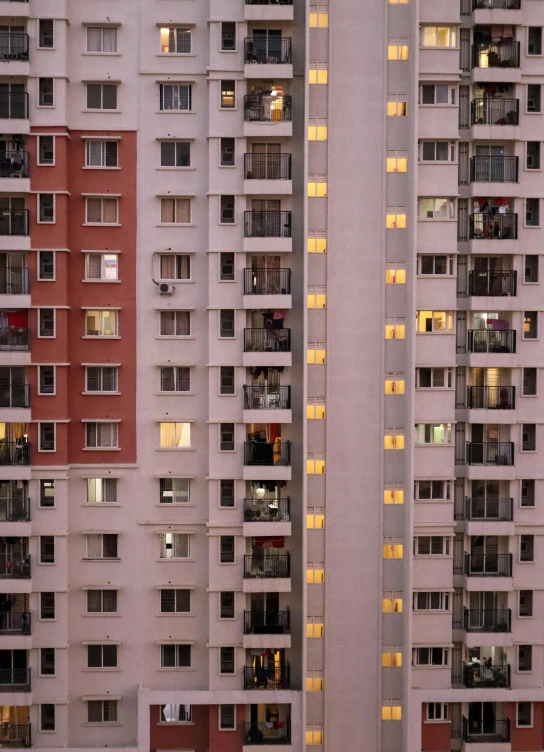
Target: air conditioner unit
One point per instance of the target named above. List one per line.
(166, 289)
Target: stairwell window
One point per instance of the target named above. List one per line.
(430, 657)
(395, 217)
(392, 658)
(101, 435)
(393, 548)
(101, 96)
(315, 518)
(314, 681)
(396, 161)
(319, 17)
(315, 408)
(101, 323)
(395, 328)
(175, 97)
(394, 384)
(392, 711)
(433, 433)
(175, 40)
(101, 211)
(397, 105)
(315, 464)
(314, 735)
(317, 297)
(393, 494)
(316, 353)
(431, 545)
(317, 186)
(440, 322)
(315, 628)
(315, 573)
(317, 129)
(397, 49)
(175, 211)
(393, 439)
(392, 603)
(318, 73)
(174, 435)
(395, 273)
(438, 36)
(175, 546)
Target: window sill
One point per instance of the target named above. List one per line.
(88, 558)
(174, 336)
(175, 112)
(175, 505)
(175, 561)
(176, 169)
(175, 394)
(101, 670)
(101, 54)
(175, 449)
(99, 337)
(99, 725)
(100, 449)
(102, 281)
(102, 394)
(437, 720)
(175, 723)
(173, 614)
(101, 224)
(103, 112)
(174, 224)
(175, 668)
(176, 54)
(97, 167)
(102, 613)
(94, 504)
(178, 281)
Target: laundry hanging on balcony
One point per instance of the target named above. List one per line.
(278, 542)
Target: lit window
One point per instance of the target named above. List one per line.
(397, 105)
(317, 297)
(314, 681)
(314, 735)
(315, 464)
(317, 129)
(393, 438)
(395, 328)
(175, 545)
(396, 161)
(101, 323)
(318, 73)
(392, 658)
(394, 383)
(391, 712)
(175, 435)
(438, 36)
(393, 549)
(393, 495)
(395, 218)
(317, 242)
(319, 17)
(101, 490)
(315, 574)
(392, 603)
(398, 2)
(175, 40)
(436, 208)
(315, 627)
(316, 353)
(317, 188)
(433, 433)
(434, 321)
(397, 49)
(395, 274)
(315, 409)
(315, 519)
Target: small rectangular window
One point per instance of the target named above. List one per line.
(228, 36)
(174, 490)
(46, 150)
(531, 269)
(436, 151)
(175, 153)
(534, 95)
(45, 92)
(525, 603)
(226, 323)
(527, 493)
(525, 657)
(227, 717)
(102, 323)
(431, 601)
(397, 105)
(432, 490)
(226, 267)
(397, 49)
(102, 546)
(47, 661)
(524, 714)
(528, 442)
(437, 711)
(532, 155)
(101, 267)
(46, 266)
(228, 152)
(228, 94)
(47, 605)
(47, 493)
(433, 378)
(438, 36)
(534, 40)
(46, 33)
(436, 265)
(175, 601)
(46, 320)
(226, 661)
(530, 325)
(431, 545)
(440, 322)
(47, 717)
(430, 656)
(46, 379)
(46, 437)
(228, 215)
(46, 208)
(47, 549)
(226, 380)
(227, 545)
(227, 599)
(227, 437)
(532, 212)
(526, 548)
(226, 497)
(101, 96)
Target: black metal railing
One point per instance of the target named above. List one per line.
(267, 166)
(14, 453)
(277, 622)
(491, 341)
(15, 622)
(491, 397)
(488, 565)
(492, 284)
(16, 339)
(267, 453)
(490, 452)
(494, 169)
(17, 679)
(267, 340)
(497, 510)
(13, 45)
(487, 732)
(495, 55)
(14, 105)
(14, 280)
(16, 566)
(267, 733)
(267, 224)
(485, 226)
(14, 164)
(269, 50)
(14, 509)
(266, 566)
(267, 510)
(488, 620)
(265, 677)
(14, 222)
(265, 108)
(494, 111)
(267, 397)
(481, 676)
(11, 735)
(267, 281)
(14, 394)
(496, 4)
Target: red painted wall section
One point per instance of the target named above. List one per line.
(526, 739)
(435, 737)
(226, 741)
(193, 737)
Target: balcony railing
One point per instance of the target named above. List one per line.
(494, 111)
(488, 620)
(494, 169)
(14, 164)
(267, 224)
(14, 281)
(267, 453)
(15, 680)
(270, 50)
(496, 4)
(14, 509)
(267, 281)
(495, 55)
(15, 622)
(267, 397)
(479, 676)
(266, 340)
(492, 341)
(491, 397)
(485, 226)
(15, 736)
(267, 678)
(14, 105)
(492, 284)
(13, 46)
(267, 510)
(14, 222)
(488, 732)
(14, 395)
(14, 453)
(266, 566)
(490, 453)
(493, 510)
(270, 623)
(15, 341)
(267, 166)
(488, 565)
(264, 108)
(267, 733)
(16, 566)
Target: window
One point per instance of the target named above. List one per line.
(430, 656)
(437, 711)
(46, 34)
(226, 267)
(317, 297)
(226, 604)
(101, 656)
(226, 323)
(228, 36)
(175, 97)
(532, 155)
(315, 409)
(392, 658)
(436, 208)
(315, 628)
(392, 603)
(47, 493)
(531, 269)
(436, 94)
(432, 489)
(317, 242)
(45, 92)
(433, 433)
(527, 493)
(101, 154)
(317, 129)
(227, 215)
(315, 518)
(397, 105)
(227, 717)
(226, 661)
(46, 150)
(101, 435)
(175, 211)
(434, 321)
(436, 265)
(101, 323)
(529, 382)
(46, 207)
(46, 379)
(393, 548)
(226, 493)
(175, 324)
(532, 212)
(47, 549)
(314, 681)
(47, 437)
(431, 601)
(102, 601)
(102, 546)
(175, 601)
(438, 36)
(102, 711)
(47, 717)
(528, 437)
(46, 265)
(319, 17)
(530, 325)
(46, 318)
(526, 548)
(315, 573)
(317, 188)
(228, 95)
(226, 380)
(524, 714)
(227, 437)
(175, 545)
(395, 328)
(47, 661)
(101, 211)
(316, 353)
(393, 439)
(101, 96)
(431, 545)
(397, 49)
(393, 494)
(175, 40)
(101, 39)
(534, 98)
(437, 151)
(228, 152)
(525, 607)
(47, 605)
(101, 490)
(176, 714)
(395, 273)
(102, 266)
(525, 657)
(175, 379)
(315, 464)
(175, 435)
(314, 735)
(395, 218)
(434, 378)
(175, 656)
(227, 549)
(101, 379)
(318, 73)
(174, 490)
(534, 40)
(175, 153)
(176, 266)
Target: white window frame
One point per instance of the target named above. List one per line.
(102, 108)
(40, 424)
(177, 661)
(175, 591)
(101, 51)
(103, 722)
(100, 311)
(102, 278)
(448, 377)
(227, 673)
(447, 488)
(39, 219)
(39, 35)
(98, 538)
(102, 591)
(47, 394)
(444, 597)
(447, 428)
(442, 717)
(180, 493)
(47, 279)
(46, 135)
(219, 719)
(177, 29)
(524, 725)
(38, 104)
(187, 97)
(453, 37)
(175, 142)
(114, 435)
(449, 319)
(446, 547)
(102, 199)
(446, 656)
(168, 542)
(175, 223)
(101, 379)
(47, 336)
(103, 156)
(101, 491)
(450, 265)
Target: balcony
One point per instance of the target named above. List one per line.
(267, 566)
(15, 680)
(491, 341)
(476, 676)
(15, 566)
(496, 4)
(267, 510)
(482, 510)
(15, 622)
(492, 284)
(494, 169)
(488, 620)
(14, 452)
(14, 172)
(14, 281)
(13, 105)
(490, 453)
(264, 677)
(267, 733)
(491, 397)
(269, 10)
(268, 288)
(494, 112)
(13, 46)
(267, 174)
(267, 224)
(489, 55)
(267, 453)
(258, 623)
(15, 395)
(488, 565)
(267, 398)
(14, 222)
(12, 736)
(14, 509)
(266, 114)
(264, 347)
(485, 226)
(268, 57)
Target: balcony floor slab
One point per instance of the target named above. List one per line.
(266, 529)
(266, 584)
(266, 641)
(270, 472)
(267, 302)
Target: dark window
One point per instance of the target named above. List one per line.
(47, 549)
(227, 437)
(527, 493)
(47, 493)
(228, 147)
(529, 381)
(226, 319)
(47, 379)
(47, 322)
(533, 98)
(45, 92)
(175, 601)
(175, 153)
(525, 602)
(226, 493)
(533, 155)
(46, 205)
(525, 657)
(227, 549)
(227, 210)
(46, 150)
(526, 547)
(47, 605)
(532, 212)
(46, 268)
(101, 656)
(227, 661)
(47, 437)
(226, 379)
(101, 97)
(227, 717)
(530, 325)
(228, 36)
(227, 601)
(47, 717)
(524, 714)
(46, 33)
(531, 268)
(534, 40)
(528, 437)
(431, 489)
(47, 661)
(226, 273)
(228, 95)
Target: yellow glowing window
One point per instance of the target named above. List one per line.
(393, 550)
(392, 606)
(315, 412)
(397, 51)
(391, 660)
(395, 221)
(318, 19)
(438, 36)
(317, 300)
(317, 355)
(396, 163)
(395, 276)
(318, 74)
(317, 190)
(391, 713)
(315, 521)
(315, 576)
(317, 133)
(314, 684)
(434, 321)
(393, 441)
(395, 331)
(317, 245)
(397, 108)
(315, 467)
(394, 386)
(393, 496)
(314, 737)
(315, 630)
(398, 2)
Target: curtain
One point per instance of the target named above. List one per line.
(175, 266)
(109, 208)
(94, 39)
(109, 40)
(183, 210)
(175, 435)
(94, 153)
(94, 210)
(167, 211)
